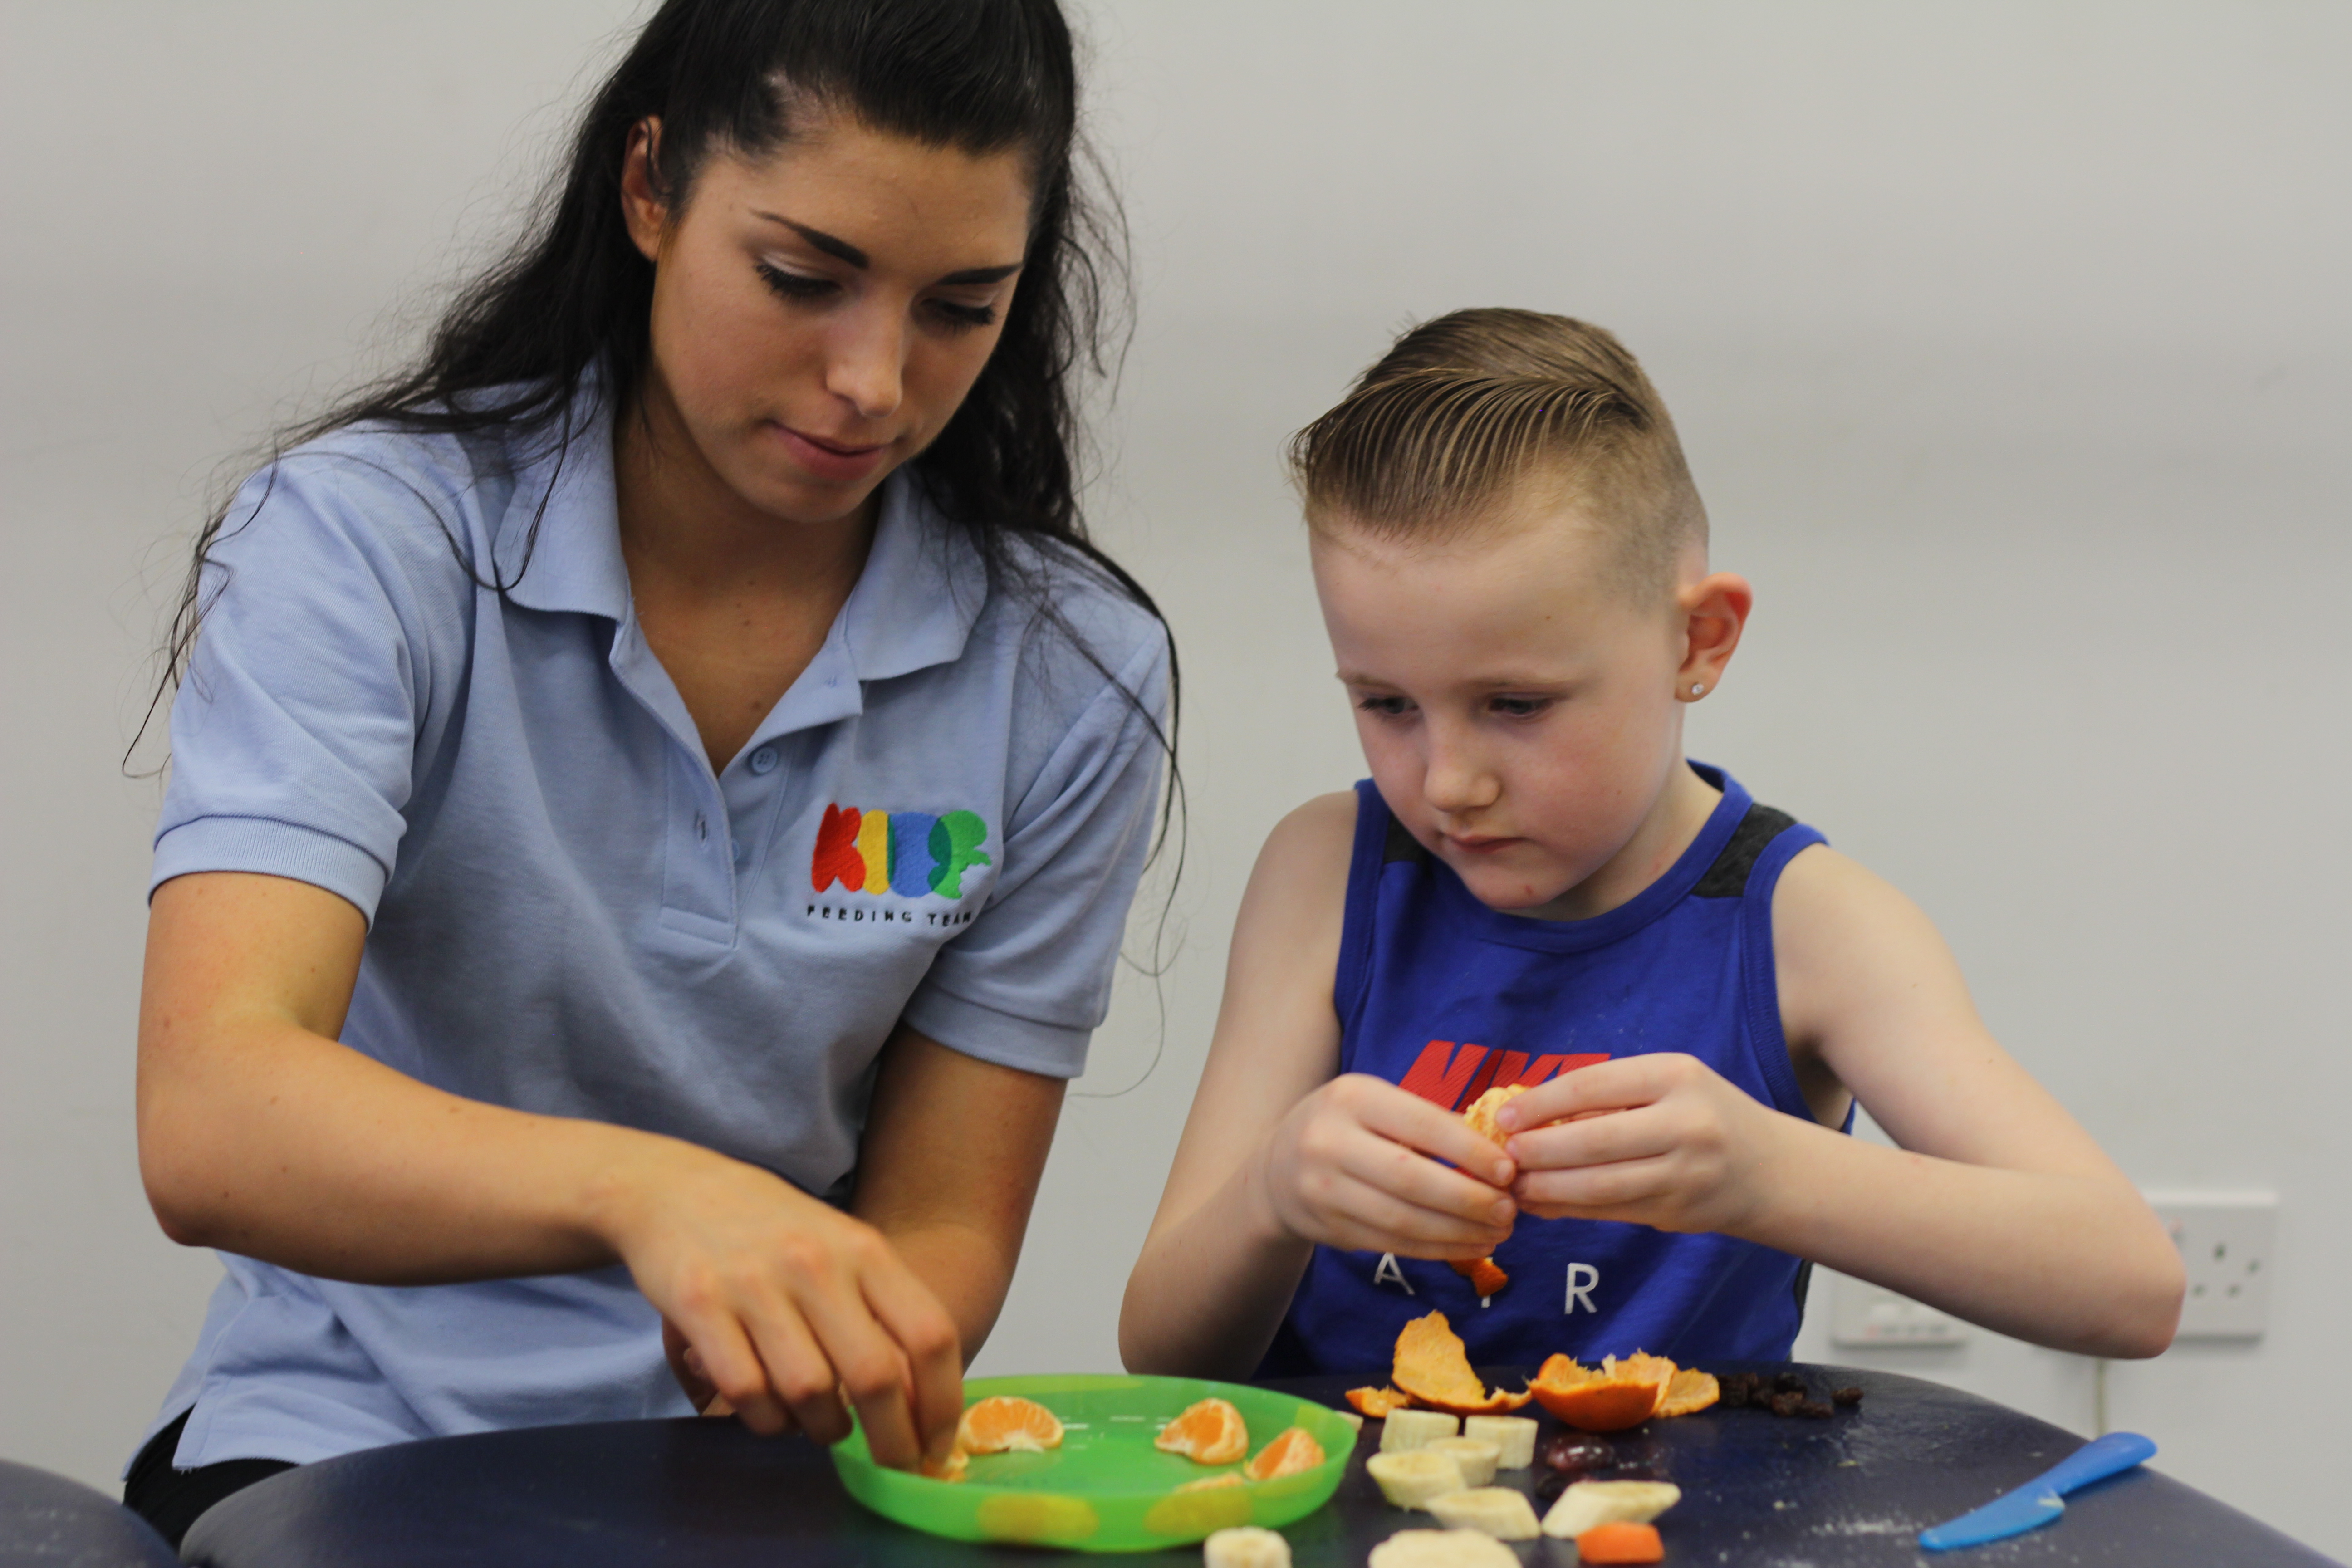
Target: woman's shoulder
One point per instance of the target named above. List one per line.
(427, 497)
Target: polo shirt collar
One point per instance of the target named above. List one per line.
(914, 606)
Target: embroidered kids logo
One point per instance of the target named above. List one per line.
(1455, 1076)
(909, 853)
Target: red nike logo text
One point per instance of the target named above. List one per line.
(1454, 1075)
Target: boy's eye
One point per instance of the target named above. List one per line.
(1386, 706)
(1519, 707)
(795, 285)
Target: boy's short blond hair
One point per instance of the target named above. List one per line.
(1465, 410)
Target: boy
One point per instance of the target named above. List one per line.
(1535, 888)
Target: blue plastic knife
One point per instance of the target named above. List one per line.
(2040, 1500)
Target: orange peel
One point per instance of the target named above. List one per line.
(1688, 1392)
(1486, 1276)
(1610, 1397)
(1432, 1366)
(1376, 1402)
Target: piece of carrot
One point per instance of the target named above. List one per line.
(1620, 1544)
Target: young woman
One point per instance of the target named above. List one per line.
(657, 787)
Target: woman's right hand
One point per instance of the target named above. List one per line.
(788, 1305)
(1356, 1165)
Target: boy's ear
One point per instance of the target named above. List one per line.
(1713, 610)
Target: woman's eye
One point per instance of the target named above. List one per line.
(960, 317)
(795, 285)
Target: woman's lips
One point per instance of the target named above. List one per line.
(833, 462)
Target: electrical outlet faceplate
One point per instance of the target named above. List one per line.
(2229, 1244)
(1867, 1314)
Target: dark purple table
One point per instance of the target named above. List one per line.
(48, 1522)
(1852, 1490)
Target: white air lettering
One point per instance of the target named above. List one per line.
(1582, 1280)
(1388, 1273)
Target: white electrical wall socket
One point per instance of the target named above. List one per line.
(2229, 1245)
(1861, 1313)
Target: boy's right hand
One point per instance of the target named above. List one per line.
(1356, 1164)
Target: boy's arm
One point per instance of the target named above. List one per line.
(1278, 1154)
(1999, 1208)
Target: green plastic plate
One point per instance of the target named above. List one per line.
(1107, 1488)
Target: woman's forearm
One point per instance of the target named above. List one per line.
(1210, 1290)
(2072, 1262)
(267, 1140)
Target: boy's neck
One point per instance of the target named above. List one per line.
(1669, 827)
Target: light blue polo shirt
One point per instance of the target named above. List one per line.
(941, 822)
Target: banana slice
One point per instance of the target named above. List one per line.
(1588, 1503)
(1477, 1456)
(1499, 1512)
(1407, 1429)
(1247, 1547)
(1514, 1436)
(1442, 1549)
(1411, 1480)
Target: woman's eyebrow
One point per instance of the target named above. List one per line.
(843, 250)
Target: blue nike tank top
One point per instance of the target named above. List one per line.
(1449, 998)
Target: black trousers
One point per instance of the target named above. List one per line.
(171, 1500)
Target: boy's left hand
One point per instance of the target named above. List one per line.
(1659, 1140)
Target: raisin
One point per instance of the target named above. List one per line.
(1788, 1383)
(1551, 1484)
(1573, 1451)
(1848, 1396)
(1819, 1409)
(1787, 1404)
(1735, 1389)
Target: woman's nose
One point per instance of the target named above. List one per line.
(867, 362)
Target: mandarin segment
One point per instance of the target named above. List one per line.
(1007, 1421)
(1211, 1432)
(1294, 1450)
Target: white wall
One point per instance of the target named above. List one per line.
(2008, 341)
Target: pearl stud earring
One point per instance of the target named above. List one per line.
(1698, 688)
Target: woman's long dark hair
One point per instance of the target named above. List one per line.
(740, 75)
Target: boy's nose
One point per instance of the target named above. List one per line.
(1457, 781)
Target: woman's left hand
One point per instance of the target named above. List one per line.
(1659, 1140)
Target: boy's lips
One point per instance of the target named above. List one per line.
(1478, 843)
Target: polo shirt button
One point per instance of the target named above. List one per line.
(763, 761)
(701, 826)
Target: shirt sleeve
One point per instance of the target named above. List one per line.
(294, 732)
(1028, 982)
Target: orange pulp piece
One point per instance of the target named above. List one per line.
(1209, 1432)
(1481, 1113)
(1621, 1543)
(1608, 1398)
(1688, 1392)
(1211, 1483)
(1007, 1421)
(1433, 1366)
(1376, 1402)
(1486, 1276)
(1295, 1450)
(950, 1469)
